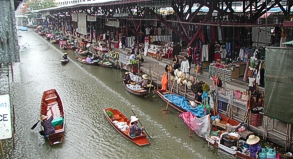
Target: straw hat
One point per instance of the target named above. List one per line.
(43, 117)
(252, 139)
(192, 104)
(65, 53)
(133, 119)
(126, 73)
(145, 76)
(189, 84)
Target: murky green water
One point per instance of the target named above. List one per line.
(85, 92)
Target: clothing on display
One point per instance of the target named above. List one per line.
(159, 31)
(205, 53)
(147, 31)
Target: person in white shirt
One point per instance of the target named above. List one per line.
(185, 65)
(147, 31)
(132, 56)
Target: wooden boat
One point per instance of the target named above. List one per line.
(52, 98)
(101, 63)
(161, 94)
(139, 92)
(216, 126)
(84, 53)
(119, 117)
(83, 60)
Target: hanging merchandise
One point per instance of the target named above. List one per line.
(228, 48)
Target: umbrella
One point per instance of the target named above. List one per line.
(288, 42)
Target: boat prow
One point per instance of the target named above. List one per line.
(118, 117)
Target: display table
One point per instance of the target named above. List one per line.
(242, 66)
(224, 73)
(154, 50)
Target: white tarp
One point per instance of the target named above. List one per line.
(5, 117)
(82, 24)
(74, 17)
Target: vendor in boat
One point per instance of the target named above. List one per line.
(139, 57)
(254, 146)
(88, 59)
(198, 98)
(47, 124)
(144, 81)
(65, 56)
(127, 78)
(95, 57)
(134, 129)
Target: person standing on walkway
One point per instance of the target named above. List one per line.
(185, 65)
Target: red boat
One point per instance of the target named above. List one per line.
(117, 116)
(51, 98)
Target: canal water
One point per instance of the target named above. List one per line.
(85, 92)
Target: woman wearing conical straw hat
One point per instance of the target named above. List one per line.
(254, 146)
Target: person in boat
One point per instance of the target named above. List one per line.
(88, 59)
(95, 57)
(139, 57)
(47, 124)
(254, 146)
(144, 81)
(65, 56)
(127, 78)
(198, 98)
(134, 129)
(132, 56)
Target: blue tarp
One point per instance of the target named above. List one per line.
(22, 28)
(182, 102)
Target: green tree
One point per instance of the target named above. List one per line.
(41, 4)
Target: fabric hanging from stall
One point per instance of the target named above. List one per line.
(228, 48)
(205, 53)
(213, 35)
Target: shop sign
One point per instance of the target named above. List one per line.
(112, 23)
(91, 18)
(5, 117)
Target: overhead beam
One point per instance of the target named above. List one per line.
(184, 38)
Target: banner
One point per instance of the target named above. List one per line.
(82, 24)
(74, 17)
(91, 18)
(5, 117)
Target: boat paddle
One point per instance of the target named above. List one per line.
(34, 126)
(142, 125)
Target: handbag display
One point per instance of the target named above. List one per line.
(238, 94)
(244, 96)
(223, 91)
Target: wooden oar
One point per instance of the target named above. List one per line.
(34, 126)
(142, 125)
(171, 92)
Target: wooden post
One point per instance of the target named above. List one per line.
(2, 151)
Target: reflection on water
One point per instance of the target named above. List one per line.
(85, 92)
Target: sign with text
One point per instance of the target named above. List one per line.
(123, 58)
(5, 117)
